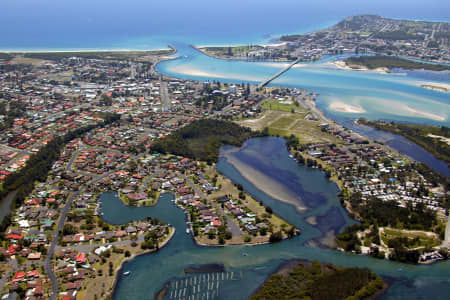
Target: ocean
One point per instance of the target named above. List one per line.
(33, 25)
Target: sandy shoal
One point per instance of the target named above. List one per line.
(264, 183)
(345, 107)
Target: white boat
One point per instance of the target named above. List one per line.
(126, 273)
(187, 230)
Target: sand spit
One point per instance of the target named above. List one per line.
(340, 64)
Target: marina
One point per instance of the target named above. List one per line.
(198, 287)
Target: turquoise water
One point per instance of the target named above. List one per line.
(397, 96)
(150, 272)
(374, 96)
(143, 24)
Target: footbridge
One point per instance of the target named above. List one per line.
(264, 83)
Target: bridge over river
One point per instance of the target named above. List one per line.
(266, 82)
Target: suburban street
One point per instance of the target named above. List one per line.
(92, 246)
(446, 242)
(231, 225)
(55, 236)
(55, 239)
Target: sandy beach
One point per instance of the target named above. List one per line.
(342, 65)
(196, 72)
(83, 50)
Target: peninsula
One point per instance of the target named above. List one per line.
(362, 34)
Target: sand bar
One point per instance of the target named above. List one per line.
(264, 182)
(345, 107)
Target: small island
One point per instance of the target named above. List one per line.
(316, 280)
(380, 61)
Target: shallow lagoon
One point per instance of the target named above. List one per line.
(254, 264)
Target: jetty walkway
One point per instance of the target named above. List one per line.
(264, 83)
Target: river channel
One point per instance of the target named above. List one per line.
(250, 265)
(344, 95)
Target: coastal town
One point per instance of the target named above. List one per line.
(363, 34)
(79, 128)
(56, 238)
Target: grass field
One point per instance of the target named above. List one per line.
(235, 51)
(286, 123)
(422, 239)
(273, 104)
(27, 61)
(113, 55)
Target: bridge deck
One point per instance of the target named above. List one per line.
(264, 83)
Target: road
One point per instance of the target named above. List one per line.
(310, 104)
(20, 154)
(55, 237)
(14, 266)
(74, 156)
(148, 179)
(88, 248)
(4, 279)
(7, 148)
(446, 242)
(165, 96)
(266, 82)
(84, 148)
(231, 225)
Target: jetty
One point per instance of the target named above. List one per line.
(266, 82)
